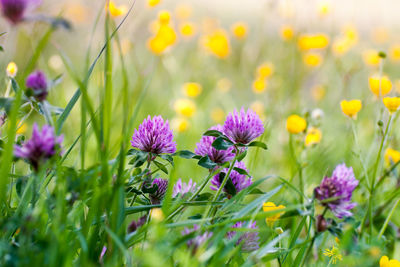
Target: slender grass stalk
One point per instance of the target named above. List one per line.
(388, 218)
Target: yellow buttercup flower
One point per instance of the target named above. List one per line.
(217, 43)
(265, 70)
(164, 38)
(395, 53)
(313, 136)
(164, 17)
(380, 86)
(287, 32)
(324, 7)
(392, 155)
(340, 46)
(180, 124)
(187, 29)
(371, 57)
(116, 11)
(21, 128)
(333, 254)
(313, 41)
(192, 89)
(385, 262)
(153, 3)
(185, 107)
(312, 60)
(224, 85)
(259, 85)
(239, 30)
(295, 124)
(270, 206)
(351, 34)
(12, 69)
(217, 115)
(392, 103)
(183, 12)
(351, 108)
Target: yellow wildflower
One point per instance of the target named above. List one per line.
(287, 32)
(395, 53)
(270, 206)
(11, 69)
(371, 57)
(183, 12)
(239, 30)
(340, 46)
(185, 107)
(312, 59)
(259, 85)
(351, 108)
(21, 128)
(164, 17)
(313, 136)
(153, 3)
(392, 155)
(324, 7)
(380, 86)
(116, 11)
(164, 38)
(391, 103)
(295, 124)
(187, 29)
(217, 43)
(217, 115)
(333, 254)
(351, 34)
(385, 262)
(192, 89)
(265, 70)
(180, 124)
(157, 214)
(313, 41)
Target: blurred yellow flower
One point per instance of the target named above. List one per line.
(164, 38)
(324, 7)
(313, 136)
(183, 12)
(295, 124)
(392, 156)
(185, 107)
(164, 17)
(395, 53)
(259, 85)
(351, 33)
(313, 41)
(287, 32)
(312, 60)
(187, 29)
(224, 85)
(380, 86)
(192, 89)
(239, 30)
(340, 46)
(270, 206)
(12, 69)
(265, 70)
(258, 108)
(318, 92)
(371, 57)
(217, 43)
(153, 3)
(116, 11)
(391, 103)
(385, 262)
(217, 115)
(180, 124)
(351, 108)
(157, 214)
(333, 254)
(380, 35)
(21, 128)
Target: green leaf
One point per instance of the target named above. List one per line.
(214, 133)
(241, 171)
(258, 144)
(256, 191)
(242, 155)
(221, 143)
(6, 103)
(161, 166)
(168, 158)
(1, 48)
(186, 154)
(207, 163)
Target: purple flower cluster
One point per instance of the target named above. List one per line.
(158, 195)
(198, 240)
(339, 188)
(243, 127)
(249, 240)
(135, 224)
(181, 188)
(42, 146)
(205, 148)
(37, 82)
(239, 181)
(154, 136)
(14, 10)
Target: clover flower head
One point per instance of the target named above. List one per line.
(158, 195)
(249, 240)
(243, 127)
(182, 188)
(37, 82)
(154, 136)
(199, 239)
(14, 10)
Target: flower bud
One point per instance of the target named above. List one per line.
(37, 82)
(322, 224)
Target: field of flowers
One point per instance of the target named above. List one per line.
(170, 133)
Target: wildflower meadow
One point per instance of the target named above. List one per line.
(199, 133)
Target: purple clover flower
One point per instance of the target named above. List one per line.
(198, 240)
(239, 181)
(14, 10)
(37, 82)
(181, 188)
(159, 194)
(248, 240)
(205, 148)
(154, 136)
(135, 224)
(243, 127)
(340, 188)
(42, 146)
